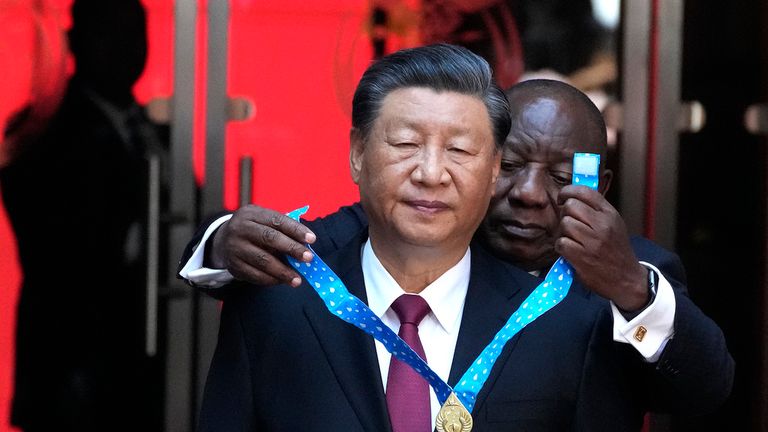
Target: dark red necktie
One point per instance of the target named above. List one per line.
(407, 391)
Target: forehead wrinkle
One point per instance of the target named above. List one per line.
(423, 113)
(535, 144)
(400, 122)
(402, 127)
(521, 143)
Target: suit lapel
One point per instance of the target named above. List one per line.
(351, 353)
(495, 292)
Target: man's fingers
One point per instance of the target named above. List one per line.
(299, 252)
(291, 228)
(252, 261)
(242, 271)
(587, 195)
(256, 241)
(267, 238)
(580, 211)
(280, 222)
(568, 247)
(575, 230)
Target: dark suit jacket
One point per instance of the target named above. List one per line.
(72, 198)
(693, 375)
(284, 363)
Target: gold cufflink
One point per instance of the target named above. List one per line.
(640, 333)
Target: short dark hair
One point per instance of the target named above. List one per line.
(440, 67)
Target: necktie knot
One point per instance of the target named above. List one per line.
(410, 309)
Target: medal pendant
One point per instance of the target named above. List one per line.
(453, 416)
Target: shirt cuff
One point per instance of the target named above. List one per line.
(194, 272)
(650, 331)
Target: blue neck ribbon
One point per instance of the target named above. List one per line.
(341, 303)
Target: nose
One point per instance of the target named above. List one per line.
(529, 189)
(431, 169)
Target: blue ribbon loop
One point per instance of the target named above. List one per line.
(341, 303)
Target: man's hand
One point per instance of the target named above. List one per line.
(594, 239)
(252, 243)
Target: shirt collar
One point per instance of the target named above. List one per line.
(445, 296)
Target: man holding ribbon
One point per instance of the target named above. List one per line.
(428, 127)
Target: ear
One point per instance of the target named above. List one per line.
(605, 181)
(356, 148)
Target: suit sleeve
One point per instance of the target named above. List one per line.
(608, 399)
(694, 374)
(228, 396)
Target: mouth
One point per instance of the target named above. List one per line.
(523, 231)
(428, 207)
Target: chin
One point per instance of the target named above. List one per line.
(425, 239)
(417, 235)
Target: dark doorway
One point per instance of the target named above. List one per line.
(722, 196)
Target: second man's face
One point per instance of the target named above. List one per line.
(523, 218)
(428, 168)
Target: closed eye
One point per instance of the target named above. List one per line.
(561, 178)
(406, 145)
(459, 150)
(511, 166)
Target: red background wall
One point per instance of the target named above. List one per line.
(298, 62)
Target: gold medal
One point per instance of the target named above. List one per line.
(453, 416)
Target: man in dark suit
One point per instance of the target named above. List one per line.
(578, 378)
(74, 196)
